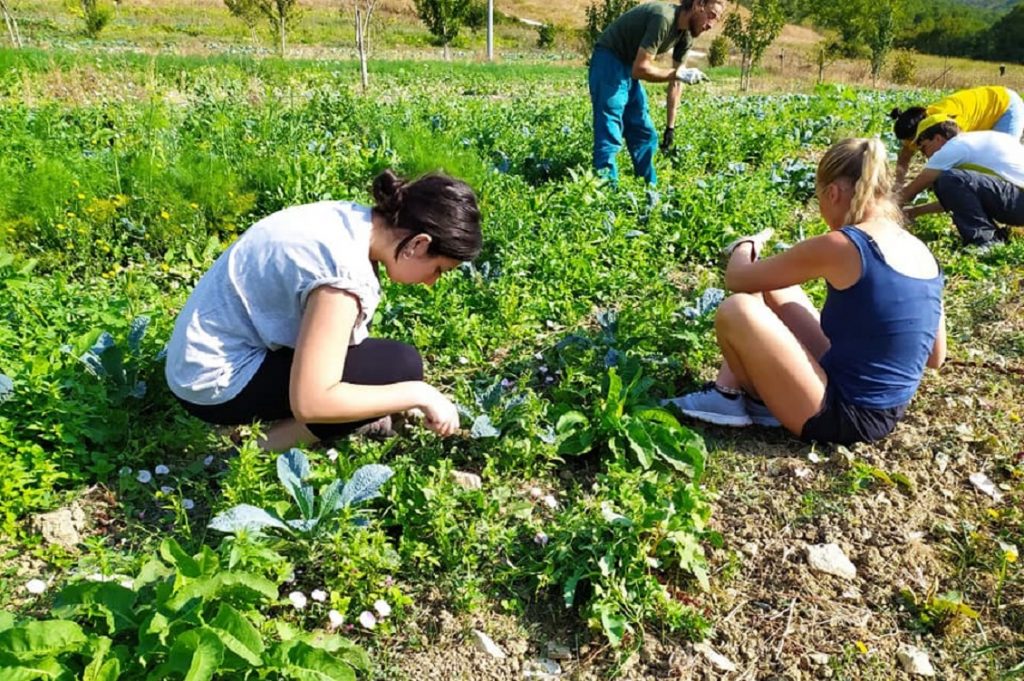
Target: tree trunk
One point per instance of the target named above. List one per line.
(447, 54)
(12, 24)
(281, 35)
(361, 48)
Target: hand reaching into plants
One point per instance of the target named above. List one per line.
(690, 76)
(757, 242)
(440, 415)
(668, 139)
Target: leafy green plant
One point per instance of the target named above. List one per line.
(119, 365)
(314, 515)
(937, 613)
(718, 52)
(182, 617)
(625, 422)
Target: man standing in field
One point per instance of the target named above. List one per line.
(623, 56)
(978, 177)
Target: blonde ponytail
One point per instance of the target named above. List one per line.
(864, 164)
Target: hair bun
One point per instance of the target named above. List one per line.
(895, 113)
(387, 190)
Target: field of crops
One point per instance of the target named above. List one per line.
(597, 531)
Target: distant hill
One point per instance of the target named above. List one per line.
(1001, 6)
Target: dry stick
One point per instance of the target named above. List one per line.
(785, 632)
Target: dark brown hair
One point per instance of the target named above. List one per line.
(948, 129)
(906, 122)
(434, 204)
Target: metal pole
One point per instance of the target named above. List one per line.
(490, 30)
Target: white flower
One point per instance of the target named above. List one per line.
(36, 586)
(319, 595)
(162, 470)
(208, 460)
(536, 492)
(463, 360)
(382, 608)
(298, 599)
(367, 619)
(127, 583)
(188, 504)
(540, 539)
(335, 619)
(144, 476)
(125, 471)
(550, 502)
(332, 454)
(166, 489)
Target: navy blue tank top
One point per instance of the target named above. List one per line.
(882, 330)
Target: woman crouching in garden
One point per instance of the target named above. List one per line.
(277, 329)
(847, 374)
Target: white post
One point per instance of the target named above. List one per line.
(490, 30)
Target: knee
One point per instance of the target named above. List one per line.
(408, 364)
(951, 181)
(737, 310)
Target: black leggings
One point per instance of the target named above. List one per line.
(375, 361)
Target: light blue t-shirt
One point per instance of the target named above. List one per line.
(251, 301)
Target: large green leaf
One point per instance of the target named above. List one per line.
(292, 471)
(640, 441)
(301, 661)
(197, 654)
(172, 552)
(38, 640)
(48, 668)
(242, 586)
(111, 601)
(342, 648)
(574, 433)
(103, 667)
(238, 635)
(6, 620)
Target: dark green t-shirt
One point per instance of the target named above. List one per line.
(650, 27)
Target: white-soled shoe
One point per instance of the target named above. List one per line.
(713, 406)
(760, 414)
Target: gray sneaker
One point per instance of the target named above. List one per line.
(760, 414)
(708, 404)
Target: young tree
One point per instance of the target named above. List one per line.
(880, 36)
(364, 11)
(826, 51)
(718, 53)
(755, 35)
(249, 12)
(282, 15)
(600, 15)
(96, 14)
(12, 23)
(443, 18)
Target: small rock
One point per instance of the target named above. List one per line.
(820, 659)
(467, 480)
(750, 548)
(484, 644)
(915, 661)
(62, 527)
(544, 669)
(984, 484)
(556, 651)
(941, 462)
(717, 660)
(830, 559)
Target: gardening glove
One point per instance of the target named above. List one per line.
(756, 240)
(668, 139)
(690, 76)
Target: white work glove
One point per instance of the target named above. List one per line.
(690, 76)
(756, 240)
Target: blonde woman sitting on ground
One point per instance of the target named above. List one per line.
(848, 374)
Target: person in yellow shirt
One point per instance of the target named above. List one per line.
(982, 108)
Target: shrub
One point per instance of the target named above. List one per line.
(546, 36)
(95, 13)
(719, 51)
(904, 67)
(600, 15)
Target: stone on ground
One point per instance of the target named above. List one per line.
(830, 559)
(484, 643)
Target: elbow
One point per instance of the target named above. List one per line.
(936, 361)
(638, 73)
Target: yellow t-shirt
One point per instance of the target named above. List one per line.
(976, 109)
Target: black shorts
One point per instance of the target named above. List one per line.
(375, 361)
(841, 423)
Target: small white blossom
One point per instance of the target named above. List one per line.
(144, 476)
(298, 599)
(463, 360)
(367, 619)
(319, 595)
(125, 471)
(335, 619)
(536, 492)
(540, 539)
(161, 470)
(188, 504)
(36, 586)
(550, 502)
(332, 454)
(382, 608)
(208, 460)
(166, 489)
